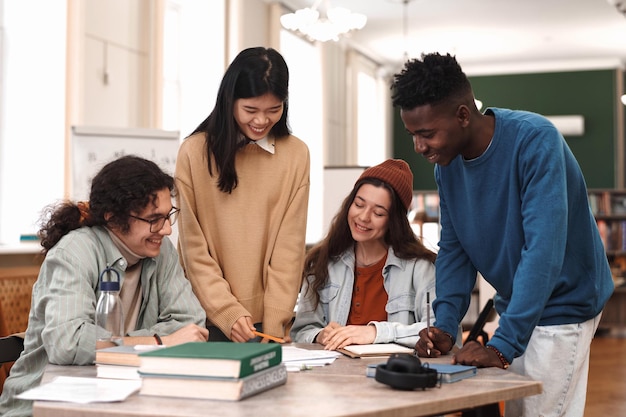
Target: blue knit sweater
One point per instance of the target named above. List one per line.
(519, 215)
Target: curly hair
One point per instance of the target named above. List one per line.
(399, 236)
(123, 186)
(433, 80)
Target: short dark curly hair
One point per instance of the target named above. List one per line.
(432, 80)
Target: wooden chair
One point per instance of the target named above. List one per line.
(10, 349)
(16, 285)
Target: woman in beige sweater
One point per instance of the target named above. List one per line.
(243, 183)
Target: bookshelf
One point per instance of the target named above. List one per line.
(424, 217)
(609, 209)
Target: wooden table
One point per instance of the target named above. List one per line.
(340, 389)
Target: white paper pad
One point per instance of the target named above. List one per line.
(82, 390)
(297, 359)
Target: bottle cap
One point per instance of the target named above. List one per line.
(109, 286)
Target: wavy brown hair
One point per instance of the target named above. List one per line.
(399, 236)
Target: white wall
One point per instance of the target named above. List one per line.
(32, 116)
(249, 26)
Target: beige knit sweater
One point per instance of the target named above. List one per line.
(243, 252)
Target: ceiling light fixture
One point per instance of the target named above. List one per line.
(338, 21)
(620, 5)
(405, 27)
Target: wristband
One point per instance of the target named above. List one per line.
(158, 339)
(505, 363)
(450, 336)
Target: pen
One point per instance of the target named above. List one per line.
(428, 317)
(267, 336)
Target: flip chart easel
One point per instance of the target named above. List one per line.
(93, 147)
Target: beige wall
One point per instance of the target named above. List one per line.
(113, 41)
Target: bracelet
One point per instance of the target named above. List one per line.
(450, 336)
(158, 339)
(505, 363)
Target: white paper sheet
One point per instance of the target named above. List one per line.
(297, 359)
(82, 390)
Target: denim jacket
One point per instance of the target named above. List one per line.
(406, 281)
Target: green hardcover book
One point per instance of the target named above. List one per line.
(212, 359)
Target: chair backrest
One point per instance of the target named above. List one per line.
(10, 348)
(487, 314)
(16, 286)
(3, 325)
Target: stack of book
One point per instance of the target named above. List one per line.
(118, 362)
(212, 370)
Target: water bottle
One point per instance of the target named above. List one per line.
(109, 311)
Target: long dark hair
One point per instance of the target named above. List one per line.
(125, 185)
(253, 73)
(399, 236)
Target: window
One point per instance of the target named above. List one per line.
(170, 107)
(193, 63)
(305, 117)
(371, 111)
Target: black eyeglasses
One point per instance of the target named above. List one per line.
(156, 224)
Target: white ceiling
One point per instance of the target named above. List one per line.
(491, 35)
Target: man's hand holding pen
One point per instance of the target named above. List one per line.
(473, 353)
(433, 343)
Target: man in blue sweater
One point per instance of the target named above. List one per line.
(514, 207)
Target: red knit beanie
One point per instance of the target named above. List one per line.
(397, 174)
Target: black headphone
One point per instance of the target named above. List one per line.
(405, 371)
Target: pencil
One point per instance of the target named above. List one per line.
(428, 317)
(267, 336)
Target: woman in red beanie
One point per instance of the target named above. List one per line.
(367, 280)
